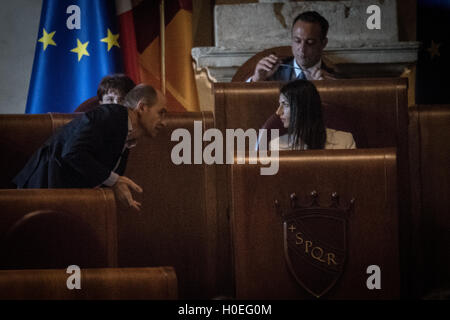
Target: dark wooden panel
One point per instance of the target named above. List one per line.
(177, 225)
(174, 227)
(96, 284)
(434, 130)
(21, 136)
(417, 234)
(372, 229)
(36, 223)
(376, 107)
(380, 106)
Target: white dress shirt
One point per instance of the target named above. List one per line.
(312, 73)
(335, 140)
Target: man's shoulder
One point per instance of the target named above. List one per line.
(105, 118)
(337, 139)
(111, 108)
(328, 70)
(106, 111)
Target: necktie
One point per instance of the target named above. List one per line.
(301, 76)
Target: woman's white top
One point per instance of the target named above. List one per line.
(335, 140)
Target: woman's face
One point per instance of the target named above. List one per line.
(284, 110)
(111, 97)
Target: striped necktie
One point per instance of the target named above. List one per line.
(301, 76)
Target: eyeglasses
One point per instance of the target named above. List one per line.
(289, 66)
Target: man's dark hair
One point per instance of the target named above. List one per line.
(117, 82)
(313, 17)
(139, 92)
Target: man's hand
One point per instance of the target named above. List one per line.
(123, 193)
(266, 67)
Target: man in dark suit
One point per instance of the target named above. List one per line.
(92, 150)
(309, 38)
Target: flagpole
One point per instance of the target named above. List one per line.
(162, 36)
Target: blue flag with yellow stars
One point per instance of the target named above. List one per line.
(77, 45)
(433, 66)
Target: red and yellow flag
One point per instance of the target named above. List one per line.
(140, 33)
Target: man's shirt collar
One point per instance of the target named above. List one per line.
(130, 142)
(308, 72)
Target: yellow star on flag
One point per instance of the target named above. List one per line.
(81, 49)
(111, 40)
(434, 49)
(47, 39)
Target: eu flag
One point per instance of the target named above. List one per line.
(77, 45)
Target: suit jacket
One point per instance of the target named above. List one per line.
(81, 154)
(335, 140)
(284, 73)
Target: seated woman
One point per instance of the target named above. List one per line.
(301, 113)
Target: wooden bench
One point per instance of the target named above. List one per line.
(370, 235)
(96, 284)
(379, 106)
(177, 225)
(429, 137)
(53, 228)
(376, 109)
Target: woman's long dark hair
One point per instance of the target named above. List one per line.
(306, 125)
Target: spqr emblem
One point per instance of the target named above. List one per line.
(315, 242)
